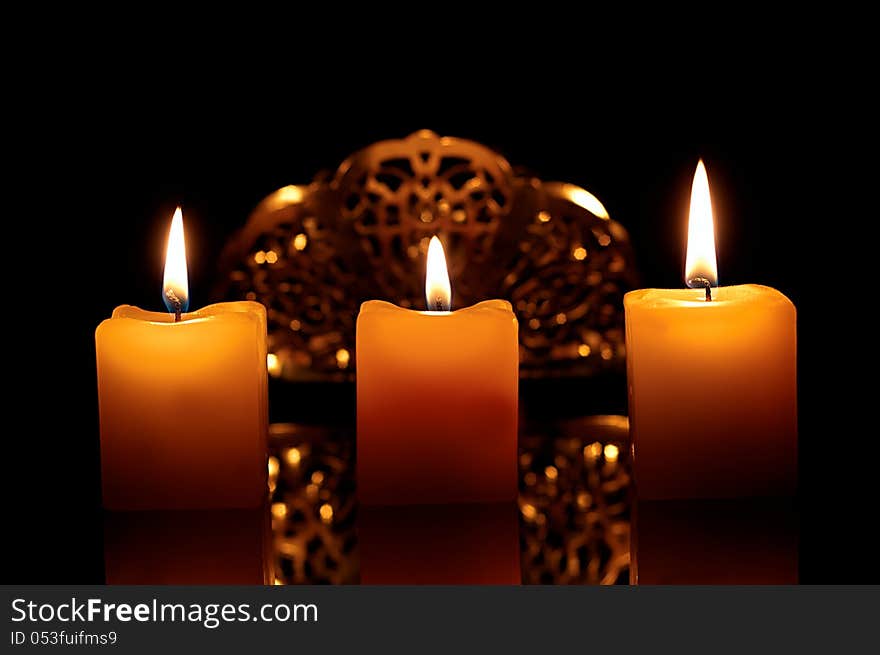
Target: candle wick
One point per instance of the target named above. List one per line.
(174, 304)
(697, 282)
(439, 305)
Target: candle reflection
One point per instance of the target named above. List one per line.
(574, 513)
(439, 544)
(187, 547)
(715, 542)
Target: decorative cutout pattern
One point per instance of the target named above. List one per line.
(313, 253)
(574, 503)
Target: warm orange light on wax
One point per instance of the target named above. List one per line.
(175, 282)
(711, 373)
(701, 263)
(183, 399)
(408, 362)
(438, 291)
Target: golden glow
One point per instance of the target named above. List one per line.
(544, 216)
(342, 358)
(579, 253)
(529, 512)
(584, 500)
(295, 325)
(273, 364)
(326, 512)
(611, 453)
(551, 473)
(584, 350)
(260, 257)
(175, 283)
(592, 451)
(317, 477)
(279, 510)
(438, 291)
(274, 466)
(534, 323)
(278, 583)
(290, 194)
(561, 318)
(585, 199)
(293, 456)
(300, 241)
(271, 257)
(701, 262)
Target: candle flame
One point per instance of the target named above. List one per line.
(438, 291)
(701, 266)
(175, 284)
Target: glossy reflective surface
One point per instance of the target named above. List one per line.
(571, 525)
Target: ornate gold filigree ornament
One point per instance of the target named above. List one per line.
(312, 254)
(574, 510)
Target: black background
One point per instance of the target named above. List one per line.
(103, 169)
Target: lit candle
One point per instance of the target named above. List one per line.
(183, 400)
(711, 376)
(436, 398)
